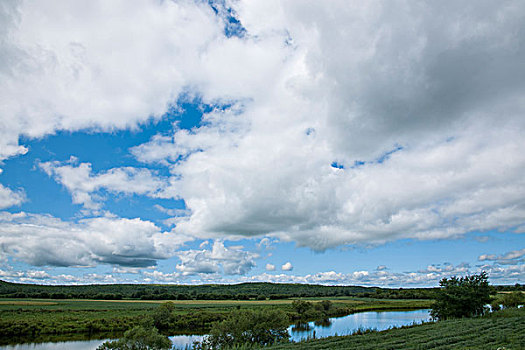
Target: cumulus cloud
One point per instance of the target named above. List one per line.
(42, 240)
(9, 198)
(173, 212)
(425, 130)
(228, 260)
(335, 123)
(69, 66)
(425, 277)
(428, 277)
(83, 184)
(270, 267)
(24, 276)
(510, 258)
(287, 266)
(159, 276)
(48, 278)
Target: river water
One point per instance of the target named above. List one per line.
(365, 320)
(320, 329)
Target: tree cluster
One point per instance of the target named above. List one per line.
(242, 291)
(462, 297)
(247, 327)
(139, 338)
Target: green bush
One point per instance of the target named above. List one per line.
(256, 328)
(462, 297)
(139, 338)
(301, 306)
(512, 299)
(163, 315)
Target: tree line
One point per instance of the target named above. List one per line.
(242, 291)
(457, 297)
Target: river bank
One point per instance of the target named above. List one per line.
(502, 329)
(26, 321)
(323, 328)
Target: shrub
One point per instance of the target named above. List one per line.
(257, 328)
(512, 299)
(163, 315)
(139, 338)
(301, 306)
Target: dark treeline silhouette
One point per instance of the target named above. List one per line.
(242, 291)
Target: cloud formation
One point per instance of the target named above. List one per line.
(425, 131)
(220, 259)
(83, 185)
(347, 123)
(68, 66)
(428, 277)
(42, 240)
(270, 267)
(9, 198)
(510, 258)
(287, 266)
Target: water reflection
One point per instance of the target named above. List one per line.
(180, 342)
(300, 327)
(67, 345)
(325, 322)
(362, 320)
(318, 329)
(185, 341)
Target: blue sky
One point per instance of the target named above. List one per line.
(219, 146)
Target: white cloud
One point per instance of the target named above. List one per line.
(509, 258)
(158, 276)
(173, 212)
(287, 267)
(82, 183)
(126, 270)
(24, 276)
(429, 277)
(69, 66)
(270, 267)
(9, 198)
(230, 261)
(462, 184)
(429, 131)
(42, 240)
(422, 104)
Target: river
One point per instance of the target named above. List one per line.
(323, 328)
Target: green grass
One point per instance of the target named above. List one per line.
(35, 320)
(505, 329)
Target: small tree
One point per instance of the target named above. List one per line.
(461, 297)
(163, 316)
(301, 306)
(138, 338)
(326, 305)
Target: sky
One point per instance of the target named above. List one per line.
(374, 143)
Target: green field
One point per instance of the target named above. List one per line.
(501, 330)
(37, 320)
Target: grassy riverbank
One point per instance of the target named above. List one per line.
(36, 320)
(504, 329)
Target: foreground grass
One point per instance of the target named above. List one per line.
(504, 329)
(33, 320)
